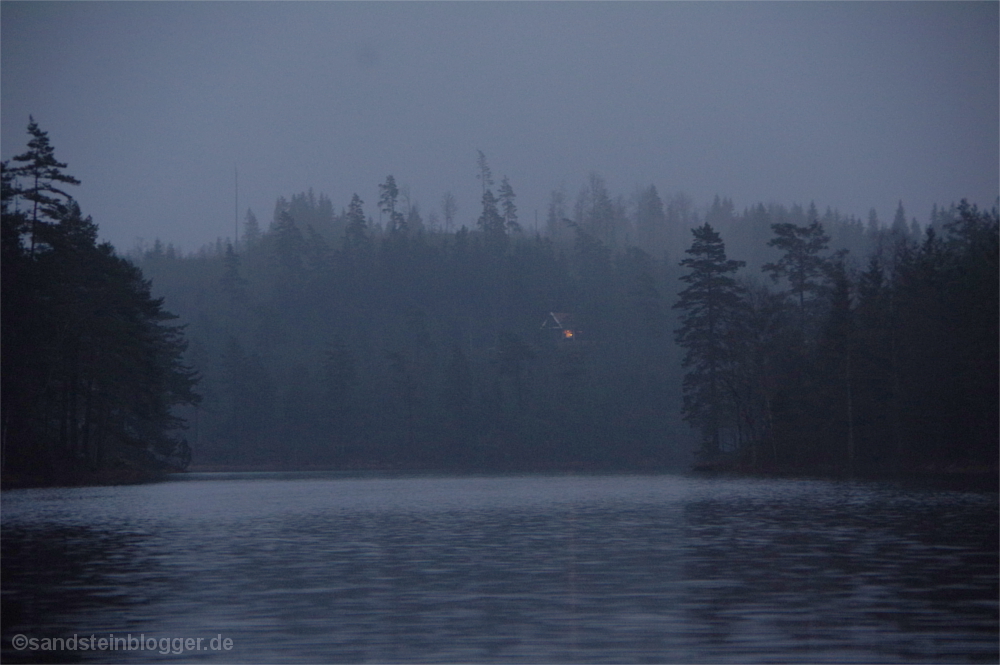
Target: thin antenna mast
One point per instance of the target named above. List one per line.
(236, 211)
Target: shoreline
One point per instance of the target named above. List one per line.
(950, 478)
(973, 478)
(103, 478)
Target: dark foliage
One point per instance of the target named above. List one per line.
(330, 340)
(417, 348)
(892, 370)
(711, 307)
(408, 347)
(91, 367)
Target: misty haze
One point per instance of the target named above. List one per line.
(500, 332)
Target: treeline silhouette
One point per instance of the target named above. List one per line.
(886, 369)
(92, 368)
(619, 337)
(839, 346)
(398, 346)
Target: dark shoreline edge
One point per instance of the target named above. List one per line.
(948, 478)
(960, 479)
(103, 478)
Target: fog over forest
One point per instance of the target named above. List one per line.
(499, 332)
(852, 106)
(501, 237)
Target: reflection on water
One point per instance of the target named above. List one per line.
(321, 568)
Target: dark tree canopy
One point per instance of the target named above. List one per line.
(39, 172)
(92, 368)
(430, 349)
(327, 340)
(709, 303)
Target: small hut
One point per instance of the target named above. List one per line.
(563, 326)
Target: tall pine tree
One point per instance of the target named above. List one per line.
(92, 370)
(708, 302)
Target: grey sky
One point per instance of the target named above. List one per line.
(850, 105)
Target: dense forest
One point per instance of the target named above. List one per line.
(619, 337)
(92, 365)
(626, 334)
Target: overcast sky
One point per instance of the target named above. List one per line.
(850, 105)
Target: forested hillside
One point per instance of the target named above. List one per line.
(92, 366)
(405, 347)
(625, 335)
(612, 338)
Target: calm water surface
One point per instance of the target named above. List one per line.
(326, 568)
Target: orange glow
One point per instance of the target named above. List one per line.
(568, 334)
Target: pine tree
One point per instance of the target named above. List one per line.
(650, 220)
(356, 230)
(288, 245)
(555, 225)
(414, 222)
(899, 226)
(492, 223)
(97, 365)
(42, 171)
(387, 199)
(595, 211)
(838, 365)
(802, 265)
(485, 176)
(233, 285)
(709, 301)
(318, 254)
(251, 230)
(506, 201)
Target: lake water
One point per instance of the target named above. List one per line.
(324, 568)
